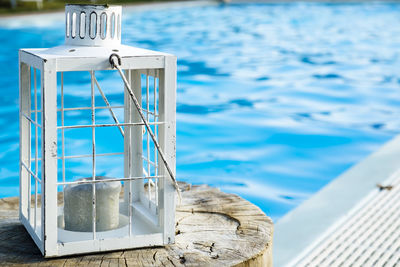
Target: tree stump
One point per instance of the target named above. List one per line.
(212, 229)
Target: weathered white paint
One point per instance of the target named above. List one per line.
(151, 218)
(83, 58)
(136, 134)
(167, 137)
(49, 158)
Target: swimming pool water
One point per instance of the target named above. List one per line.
(274, 100)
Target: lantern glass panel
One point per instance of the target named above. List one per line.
(31, 164)
(91, 144)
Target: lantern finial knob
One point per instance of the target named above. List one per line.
(93, 25)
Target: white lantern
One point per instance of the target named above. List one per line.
(85, 213)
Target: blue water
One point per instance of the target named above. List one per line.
(274, 100)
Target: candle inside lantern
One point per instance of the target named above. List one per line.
(78, 208)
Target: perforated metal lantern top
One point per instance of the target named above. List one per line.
(92, 25)
(92, 34)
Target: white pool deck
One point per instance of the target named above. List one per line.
(350, 222)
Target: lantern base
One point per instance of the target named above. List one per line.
(72, 236)
(141, 224)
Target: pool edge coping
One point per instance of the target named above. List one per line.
(295, 232)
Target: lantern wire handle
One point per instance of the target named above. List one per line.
(108, 105)
(115, 62)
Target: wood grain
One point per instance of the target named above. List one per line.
(213, 228)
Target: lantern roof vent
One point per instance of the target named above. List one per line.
(92, 25)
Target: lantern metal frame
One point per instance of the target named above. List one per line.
(43, 223)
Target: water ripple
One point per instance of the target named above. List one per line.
(274, 100)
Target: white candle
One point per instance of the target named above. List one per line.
(78, 206)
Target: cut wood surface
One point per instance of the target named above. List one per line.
(213, 228)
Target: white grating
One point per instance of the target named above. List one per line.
(368, 236)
